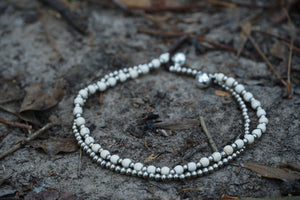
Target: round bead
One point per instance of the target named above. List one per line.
(144, 68)
(83, 93)
(217, 156)
(178, 169)
(250, 138)
(155, 63)
(79, 100)
(80, 121)
(84, 131)
(89, 140)
(112, 81)
(164, 58)
(126, 162)
(228, 149)
(239, 88)
(114, 159)
(102, 86)
(77, 110)
(219, 77)
(151, 169)
(255, 104)
(133, 73)
(92, 89)
(263, 119)
(239, 143)
(122, 77)
(179, 58)
(257, 132)
(165, 170)
(203, 80)
(96, 148)
(229, 82)
(262, 127)
(260, 112)
(104, 154)
(138, 166)
(192, 166)
(247, 96)
(204, 162)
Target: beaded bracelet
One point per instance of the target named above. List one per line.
(191, 169)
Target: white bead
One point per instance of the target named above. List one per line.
(217, 156)
(164, 58)
(151, 169)
(126, 162)
(255, 103)
(77, 110)
(239, 88)
(229, 82)
(83, 93)
(138, 166)
(80, 121)
(228, 149)
(262, 127)
(165, 170)
(114, 159)
(155, 63)
(92, 89)
(220, 77)
(96, 148)
(104, 154)
(144, 68)
(102, 86)
(84, 131)
(263, 119)
(250, 138)
(122, 77)
(260, 112)
(78, 100)
(247, 96)
(178, 169)
(192, 166)
(112, 81)
(257, 132)
(133, 73)
(179, 58)
(204, 162)
(89, 140)
(239, 143)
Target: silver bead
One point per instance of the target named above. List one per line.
(145, 174)
(80, 142)
(176, 176)
(163, 177)
(140, 173)
(198, 165)
(99, 161)
(234, 146)
(245, 140)
(185, 167)
(179, 58)
(194, 174)
(88, 151)
(108, 157)
(170, 176)
(223, 154)
(157, 177)
(123, 170)
(108, 164)
(92, 154)
(215, 166)
(199, 172)
(144, 169)
(103, 163)
(220, 163)
(95, 158)
(188, 175)
(210, 158)
(128, 171)
(210, 169)
(118, 169)
(234, 155)
(205, 170)
(182, 177)
(172, 171)
(203, 80)
(225, 161)
(112, 167)
(134, 172)
(158, 170)
(131, 165)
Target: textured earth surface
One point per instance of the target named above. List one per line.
(26, 58)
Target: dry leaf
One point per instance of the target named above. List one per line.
(226, 197)
(56, 146)
(290, 165)
(135, 3)
(280, 51)
(178, 124)
(246, 30)
(39, 99)
(152, 157)
(271, 172)
(221, 93)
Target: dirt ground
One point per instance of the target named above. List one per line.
(115, 40)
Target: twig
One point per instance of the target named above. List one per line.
(26, 140)
(188, 189)
(16, 124)
(146, 145)
(263, 56)
(47, 33)
(208, 135)
(71, 18)
(288, 86)
(200, 38)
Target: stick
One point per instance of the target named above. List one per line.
(208, 135)
(26, 140)
(16, 124)
(263, 56)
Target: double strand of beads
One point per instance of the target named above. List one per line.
(201, 167)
